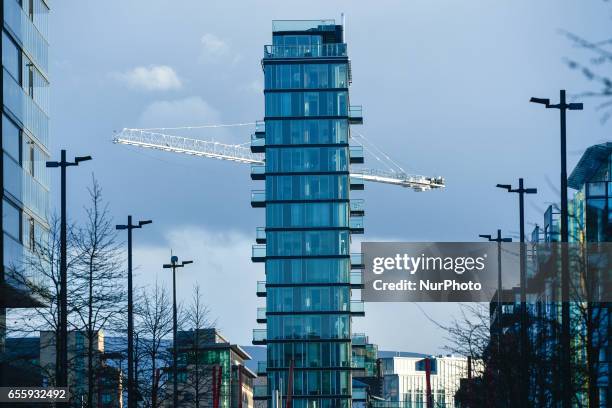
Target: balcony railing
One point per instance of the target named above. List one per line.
(258, 253)
(359, 394)
(260, 235)
(356, 224)
(355, 115)
(258, 171)
(357, 261)
(258, 198)
(357, 306)
(305, 51)
(357, 206)
(359, 339)
(260, 391)
(260, 336)
(260, 128)
(258, 144)
(356, 154)
(262, 367)
(356, 183)
(261, 288)
(356, 278)
(261, 315)
(358, 362)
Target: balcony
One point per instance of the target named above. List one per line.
(260, 392)
(356, 280)
(358, 362)
(260, 235)
(260, 336)
(356, 154)
(262, 367)
(357, 308)
(261, 289)
(356, 115)
(260, 129)
(258, 198)
(261, 315)
(258, 253)
(357, 261)
(305, 51)
(357, 207)
(258, 144)
(359, 339)
(34, 43)
(258, 171)
(356, 225)
(356, 182)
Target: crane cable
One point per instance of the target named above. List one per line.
(209, 126)
(386, 156)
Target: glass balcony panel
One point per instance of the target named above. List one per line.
(262, 366)
(261, 313)
(259, 334)
(359, 339)
(260, 233)
(355, 111)
(25, 109)
(356, 278)
(305, 51)
(260, 126)
(261, 286)
(258, 196)
(23, 187)
(357, 204)
(357, 306)
(257, 141)
(34, 44)
(258, 169)
(356, 259)
(258, 251)
(260, 390)
(356, 222)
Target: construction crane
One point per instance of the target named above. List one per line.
(149, 139)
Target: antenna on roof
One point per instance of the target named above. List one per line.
(343, 19)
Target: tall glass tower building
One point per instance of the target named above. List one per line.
(309, 216)
(25, 140)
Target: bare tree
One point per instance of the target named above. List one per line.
(197, 318)
(99, 295)
(153, 325)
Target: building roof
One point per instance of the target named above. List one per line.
(589, 163)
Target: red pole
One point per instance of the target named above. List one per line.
(428, 382)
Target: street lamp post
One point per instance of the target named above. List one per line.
(521, 190)
(565, 369)
(174, 264)
(130, 334)
(61, 371)
(499, 241)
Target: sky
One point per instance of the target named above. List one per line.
(444, 86)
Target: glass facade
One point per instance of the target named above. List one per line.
(307, 231)
(25, 134)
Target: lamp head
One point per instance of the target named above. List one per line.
(504, 186)
(541, 101)
(575, 106)
(79, 159)
(187, 262)
(141, 223)
(52, 164)
(531, 190)
(485, 236)
(120, 227)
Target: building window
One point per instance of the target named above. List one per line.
(11, 139)
(11, 57)
(11, 220)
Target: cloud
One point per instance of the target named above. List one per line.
(215, 49)
(151, 78)
(221, 266)
(180, 112)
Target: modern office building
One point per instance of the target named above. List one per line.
(204, 355)
(25, 140)
(590, 221)
(310, 216)
(405, 380)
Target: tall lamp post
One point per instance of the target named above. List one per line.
(499, 241)
(565, 370)
(130, 334)
(174, 264)
(61, 371)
